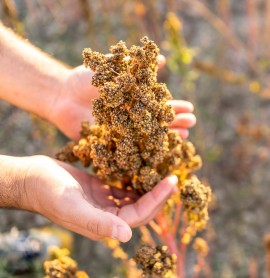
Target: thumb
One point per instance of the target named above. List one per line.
(94, 223)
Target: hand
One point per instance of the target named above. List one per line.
(184, 118)
(81, 203)
(74, 105)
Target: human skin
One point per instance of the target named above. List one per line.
(76, 200)
(35, 82)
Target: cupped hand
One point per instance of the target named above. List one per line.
(74, 105)
(81, 203)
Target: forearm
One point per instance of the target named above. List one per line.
(29, 78)
(12, 182)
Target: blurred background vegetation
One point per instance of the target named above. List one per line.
(218, 58)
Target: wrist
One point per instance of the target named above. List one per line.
(13, 187)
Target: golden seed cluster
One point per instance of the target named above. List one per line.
(195, 196)
(60, 265)
(156, 261)
(201, 247)
(131, 142)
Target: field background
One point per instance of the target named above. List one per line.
(222, 67)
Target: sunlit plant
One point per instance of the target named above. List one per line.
(131, 147)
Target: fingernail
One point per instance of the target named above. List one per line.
(121, 233)
(173, 179)
(161, 59)
(191, 107)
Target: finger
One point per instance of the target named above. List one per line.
(183, 132)
(181, 106)
(146, 207)
(161, 61)
(150, 217)
(183, 120)
(94, 223)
